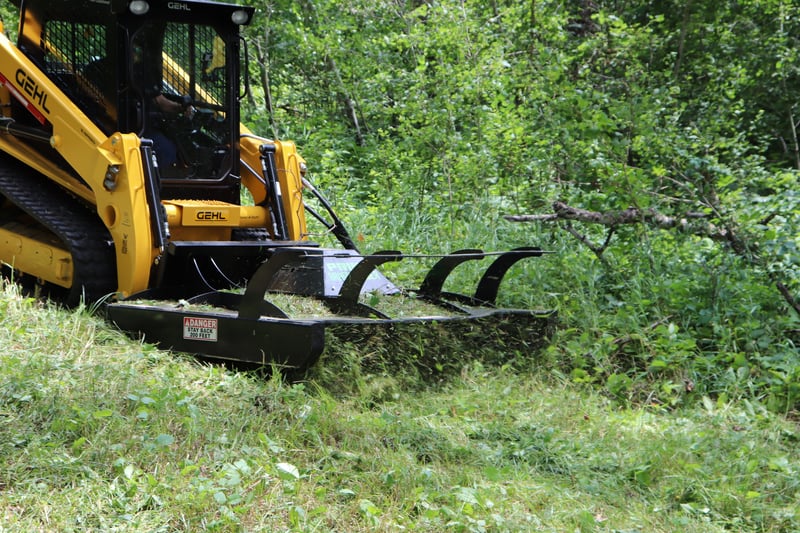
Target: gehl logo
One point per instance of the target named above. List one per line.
(31, 88)
(211, 216)
(178, 6)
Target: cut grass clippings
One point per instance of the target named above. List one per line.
(103, 433)
(417, 342)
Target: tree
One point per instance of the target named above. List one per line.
(660, 135)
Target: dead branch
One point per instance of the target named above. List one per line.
(531, 218)
(691, 222)
(597, 250)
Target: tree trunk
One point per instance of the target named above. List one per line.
(350, 106)
(263, 67)
(795, 144)
(687, 15)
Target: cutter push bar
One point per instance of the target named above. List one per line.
(249, 328)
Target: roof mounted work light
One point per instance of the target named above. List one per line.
(139, 7)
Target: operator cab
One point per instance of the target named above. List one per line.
(166, 71)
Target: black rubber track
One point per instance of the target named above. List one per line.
(74, 224)
(249, 234)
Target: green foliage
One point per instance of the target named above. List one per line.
(419, 118)
(10, 18)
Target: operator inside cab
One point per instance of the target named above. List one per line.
(162, 74)
(163, 105)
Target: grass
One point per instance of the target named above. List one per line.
(100, 433)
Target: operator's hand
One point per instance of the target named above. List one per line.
(187, 107)
(167, 105)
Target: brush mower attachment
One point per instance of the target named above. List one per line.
(250, 327)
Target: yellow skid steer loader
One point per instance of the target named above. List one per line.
(122, 170)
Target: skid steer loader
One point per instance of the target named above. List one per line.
(123, 165)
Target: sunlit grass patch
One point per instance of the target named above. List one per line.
(101, 432)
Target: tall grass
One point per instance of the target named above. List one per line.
(103, 433)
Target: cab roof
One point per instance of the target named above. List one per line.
(174, 10)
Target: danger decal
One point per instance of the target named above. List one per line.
(200, 329)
